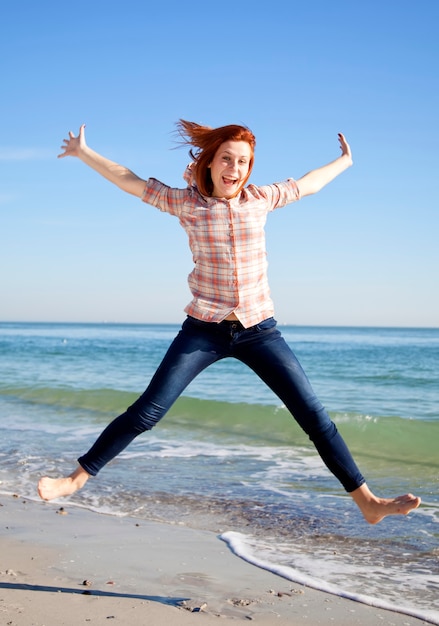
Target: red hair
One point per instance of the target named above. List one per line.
(206, 141)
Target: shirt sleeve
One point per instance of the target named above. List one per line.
(167, 199)
(278, 194)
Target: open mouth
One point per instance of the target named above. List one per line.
(229, 181)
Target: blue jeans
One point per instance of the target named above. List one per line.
(264, 350)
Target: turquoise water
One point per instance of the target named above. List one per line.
(229, 458)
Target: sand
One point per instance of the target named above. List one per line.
(63, 565)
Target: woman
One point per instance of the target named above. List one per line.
(231, 313)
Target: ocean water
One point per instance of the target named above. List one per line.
(229, 458)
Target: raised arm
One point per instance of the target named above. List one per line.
(317, 179)
(117, 174)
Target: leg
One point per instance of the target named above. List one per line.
(188, 355)
(275, 363)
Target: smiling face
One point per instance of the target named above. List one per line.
(230, 168)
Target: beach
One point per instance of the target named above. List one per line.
(225, 504)
(64, 566)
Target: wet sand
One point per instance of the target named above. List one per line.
(61, 565)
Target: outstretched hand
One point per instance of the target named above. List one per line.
(318, 178)
(345, 148)
(73, 145)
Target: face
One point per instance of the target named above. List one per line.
(229, 168)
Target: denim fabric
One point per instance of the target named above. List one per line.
(264, 350)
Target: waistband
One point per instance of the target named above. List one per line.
(233, 324)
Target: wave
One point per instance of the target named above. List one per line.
(377, 438)
(242, 546)
(95, 400)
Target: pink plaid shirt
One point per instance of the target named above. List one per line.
(227, 241)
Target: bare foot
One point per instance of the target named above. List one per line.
(50, 488)
(375, 509)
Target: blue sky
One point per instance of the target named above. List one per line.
(364, 251)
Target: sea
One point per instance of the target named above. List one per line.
(229, 458)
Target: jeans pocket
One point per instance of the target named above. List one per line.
(267, 324)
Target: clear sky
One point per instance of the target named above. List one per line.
(364, 251)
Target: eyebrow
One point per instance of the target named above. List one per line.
(241, 156)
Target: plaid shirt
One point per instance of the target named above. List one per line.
(227, 241)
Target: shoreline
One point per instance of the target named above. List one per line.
(65, 565)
